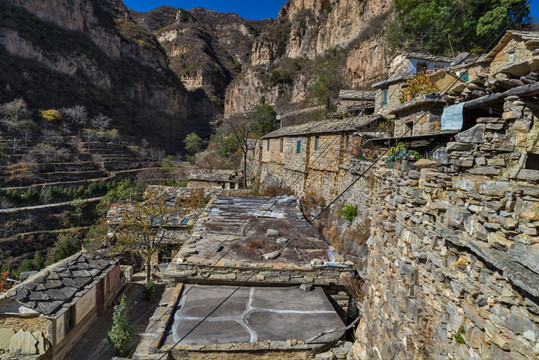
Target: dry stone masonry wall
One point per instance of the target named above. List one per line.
(452, 267)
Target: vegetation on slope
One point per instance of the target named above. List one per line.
(435, 26)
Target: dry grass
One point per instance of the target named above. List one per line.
(273, 191)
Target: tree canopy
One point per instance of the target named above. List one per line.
(263, 120)
(193, 143)
(434, 26)
(328, 83)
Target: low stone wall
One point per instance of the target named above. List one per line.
(204, 274)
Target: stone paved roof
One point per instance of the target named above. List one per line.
(419, 101)
(216, 175)
(526, 36)
(60, 285)
(326, 126)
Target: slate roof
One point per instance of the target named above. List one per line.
(419, 101)
(326, 126)
(526, 36)
(356, 95)
(59, 286)
(216, 175)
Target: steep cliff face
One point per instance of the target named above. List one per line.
(306, 32)
(205, 48)
(58, 53)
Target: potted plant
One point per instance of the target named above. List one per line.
(401, 154)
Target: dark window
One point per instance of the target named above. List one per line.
(69, 319)
(281, 145)
(384, 97)
(409, 130)
(267, 145)
(316, 143)
(532, 162)
(298, 146)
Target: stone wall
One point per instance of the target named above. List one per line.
(24, 336)
(452, 266)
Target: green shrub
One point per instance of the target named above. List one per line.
(149, 290)
(349, 212)
(122, 332)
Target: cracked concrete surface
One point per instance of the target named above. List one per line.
(253, 314)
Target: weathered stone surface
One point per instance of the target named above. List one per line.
(5, 338)
(458, 146)
(497, 240)
(441, 156)
(474, 135)
(23, 343)
(426, 164)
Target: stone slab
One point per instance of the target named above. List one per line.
(253, 315)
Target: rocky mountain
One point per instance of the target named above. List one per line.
(205, 48)
(307, 33)
(58, 53)
(167, 72)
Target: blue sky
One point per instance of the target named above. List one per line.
(249, 9)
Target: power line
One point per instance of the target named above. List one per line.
(322, 211)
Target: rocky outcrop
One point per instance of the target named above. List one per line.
(305, 32)
(205, 48)
(59, 53)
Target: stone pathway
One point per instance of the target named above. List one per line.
(95, 345)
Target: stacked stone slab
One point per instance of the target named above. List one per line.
(452, 270)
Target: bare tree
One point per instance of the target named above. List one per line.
(90, 135)
(156, 154)
(27, 134)
(208, 160)
(77, 115)
(5, 203)
(51, 136)
(15, 110)
(239, 125)
(46, 153)
(101, 122)
(16, 145)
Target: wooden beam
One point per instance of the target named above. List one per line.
(526, 90)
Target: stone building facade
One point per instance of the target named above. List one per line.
(312, 155)
(421, 116)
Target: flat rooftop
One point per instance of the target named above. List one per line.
(234, 232)
(253, 314)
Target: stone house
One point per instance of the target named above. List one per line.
(217, 179)
(515, 54)
(355, 102)
(403, 67)
(421, 116)
(45, 316)
(313, 153)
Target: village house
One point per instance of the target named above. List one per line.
(515, 54)
(216, 179)
(312, 153)
(401, 68)
(46, 315)
(355, 103)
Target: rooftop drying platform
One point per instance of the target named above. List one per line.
(238, 238)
